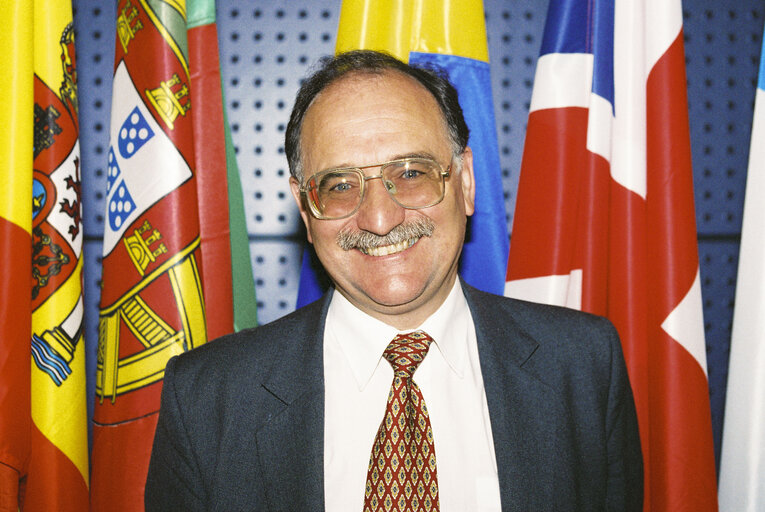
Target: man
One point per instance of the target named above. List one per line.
(528, 407)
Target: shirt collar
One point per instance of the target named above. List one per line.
(363, 338)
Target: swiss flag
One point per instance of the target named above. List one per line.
(605, 220)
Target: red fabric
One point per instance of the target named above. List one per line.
(56, 483)
(212, 182)
(9, 489)
(15, 333)
(683, 467)
(402, 467)
(119, 473)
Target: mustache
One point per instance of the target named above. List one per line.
(349, 239)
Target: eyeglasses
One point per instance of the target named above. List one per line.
(412, 183)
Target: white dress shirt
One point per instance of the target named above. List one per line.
(357, 380)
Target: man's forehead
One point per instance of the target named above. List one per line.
(375, 115)
(387, 82)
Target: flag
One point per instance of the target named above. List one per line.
(43, 413)
(166, 254)
(451, 36)
(17, 125)
(230, 303)
(605, 220)
(742, 465)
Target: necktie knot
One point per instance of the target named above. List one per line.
(406, 352)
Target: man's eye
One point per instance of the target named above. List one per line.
(411, 174)
(335, 183)
(340, 187)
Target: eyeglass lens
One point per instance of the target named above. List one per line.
(411, 183)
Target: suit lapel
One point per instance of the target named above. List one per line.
(291, 443)
(528, 419)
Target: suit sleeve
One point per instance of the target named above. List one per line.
(624, 491)
(173, 481)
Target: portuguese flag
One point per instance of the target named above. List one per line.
(167, 253)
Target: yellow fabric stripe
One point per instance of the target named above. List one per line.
(178, 5)
(60, 412)
(187, 288)
(147, 366)
(403, 26)
(106, 374)
(51, 18)
(16, 121)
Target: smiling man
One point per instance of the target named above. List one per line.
(403, 388)
(394, 263)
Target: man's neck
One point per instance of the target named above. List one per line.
(407, 317)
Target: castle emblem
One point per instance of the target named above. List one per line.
(143, 251)
(166, 99)
(128, 25)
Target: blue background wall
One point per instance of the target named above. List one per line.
(267, 46)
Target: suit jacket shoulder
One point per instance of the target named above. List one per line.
(563, 342)
(561, 408)
(260, 354)
(241, 423)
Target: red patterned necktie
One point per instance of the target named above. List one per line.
(402, 468)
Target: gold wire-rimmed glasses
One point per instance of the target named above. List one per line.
(413, 183)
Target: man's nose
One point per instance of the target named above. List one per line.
(378, 212)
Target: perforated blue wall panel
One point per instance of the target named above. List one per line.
(267, 47)
(722, 48)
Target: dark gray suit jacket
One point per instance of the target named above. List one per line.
(241, 425)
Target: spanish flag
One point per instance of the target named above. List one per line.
(452, 36)
(167, 258)
(43, 414)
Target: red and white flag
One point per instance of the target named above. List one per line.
(605, 220)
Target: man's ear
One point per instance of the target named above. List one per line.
(467, 180)
(295, 188)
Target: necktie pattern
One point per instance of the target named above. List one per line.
(402, 467)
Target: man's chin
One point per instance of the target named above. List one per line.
(394, 299)
(381, 302)
(386, 299)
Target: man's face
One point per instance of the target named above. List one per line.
(368, 119)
